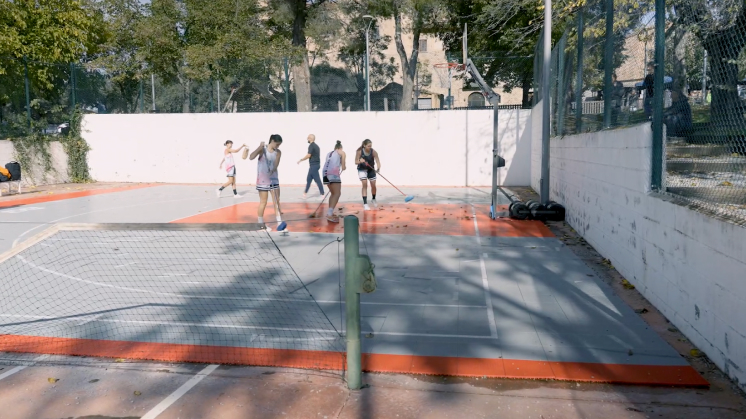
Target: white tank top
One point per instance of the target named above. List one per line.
(229, 163)
(265, 164)
(333, 164)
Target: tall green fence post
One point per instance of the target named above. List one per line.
(579, 80)
(28, 94)
(142, 98)
(352, 300)
(561, 89)
(608, 62)
(73, 87)
(287, 86)
(657, 124)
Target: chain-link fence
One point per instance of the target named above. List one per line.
(705, 61)
(600, 82)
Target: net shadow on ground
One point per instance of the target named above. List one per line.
(157, 296)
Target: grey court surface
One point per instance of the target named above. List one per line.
(460, 296)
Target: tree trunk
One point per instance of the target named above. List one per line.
(185, 108)
(725, 108)
(526, 86)
(408, 65)
(301, 71)
(302, 82)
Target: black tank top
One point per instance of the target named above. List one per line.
(369, 159)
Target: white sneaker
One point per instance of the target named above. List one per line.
(217, 192)
(304, 196)
(366, 207)
(375, 204)
(236, 196)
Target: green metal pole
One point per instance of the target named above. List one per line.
(608, 62)
(212, 94)
(561, 89)
(74, 85)
(579, 80)
(142, 98)
(657, 124)
(287, 86)
(352, 300)
(28, 94)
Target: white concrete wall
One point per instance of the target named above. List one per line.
(445, 148)
(35, 175)
(690, 266)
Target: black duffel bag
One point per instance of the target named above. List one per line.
(15, 170)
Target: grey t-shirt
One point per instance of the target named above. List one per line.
(315, 152)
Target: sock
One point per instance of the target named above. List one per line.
(221, 188)
(260, 220)
(330, 212)
(279, 218)
(234, 192)
(374, 197)
(365, 200)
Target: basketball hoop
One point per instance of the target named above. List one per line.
(446, 71)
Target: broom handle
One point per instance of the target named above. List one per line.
(384, 178)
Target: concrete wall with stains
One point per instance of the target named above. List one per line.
(690, 266)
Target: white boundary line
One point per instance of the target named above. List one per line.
(19, 368)
(485, 283)
(176, 395)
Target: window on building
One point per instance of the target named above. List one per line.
(423, 45)
(476, 100)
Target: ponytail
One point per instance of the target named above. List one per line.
(365, 142)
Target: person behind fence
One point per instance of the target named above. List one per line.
(314, 160)
(617, 98)
(647, 85)
(678, 116)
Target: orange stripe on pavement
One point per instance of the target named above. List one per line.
(662, 375)
(418, 219)
(68, 195)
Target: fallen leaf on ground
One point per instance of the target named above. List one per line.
(137, 393)
(695, 352)
(627, 285)
(53, 380)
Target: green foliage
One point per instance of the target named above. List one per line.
(76, 149)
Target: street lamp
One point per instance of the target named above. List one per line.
(369, 20)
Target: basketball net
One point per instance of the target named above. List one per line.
(445, 73)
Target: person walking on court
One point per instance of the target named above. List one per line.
(366, 159)
(230, 167)
(314, 161)
(333, 168)
(267, 178)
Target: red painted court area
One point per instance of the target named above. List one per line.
(419, 219)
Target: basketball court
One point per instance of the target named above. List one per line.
(157, 272)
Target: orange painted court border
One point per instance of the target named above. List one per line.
(68, 195)
(657, 375)
(416, 219)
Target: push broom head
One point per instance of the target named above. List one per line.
(408, 198)
(283, 225)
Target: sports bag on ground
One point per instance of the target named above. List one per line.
(15, 170)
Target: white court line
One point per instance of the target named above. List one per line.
(12, 371)
(176, 395)
(485, 283)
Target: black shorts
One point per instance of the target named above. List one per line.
(334, 180)
(366, 174)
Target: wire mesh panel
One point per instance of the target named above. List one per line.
(183, 295)
(705, 113)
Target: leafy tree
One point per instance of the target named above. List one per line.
(291, 19)
(721, 29)
(45, 36)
